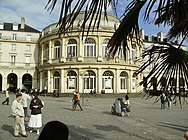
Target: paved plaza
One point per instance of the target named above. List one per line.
(146, 121)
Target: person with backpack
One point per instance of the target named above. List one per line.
(77, 101)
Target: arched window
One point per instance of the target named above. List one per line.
(107, 80)
(123, 80)
(46, 51)
(72, 48)
(90, 80)
(90, 47)
(71, 80)
(104, 47)
(12, 80)
(56, 81)
(27, 81)
(57, 50)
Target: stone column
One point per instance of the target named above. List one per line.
(49, 81)
(50, 52)
(62, 81)
(99, 49)
(19, 82)
(63, 50)
(41, 81)
(80, 80)
(130, 81)
(4, 82)
(42, 54)
(117, 81)
(81, 49)
(99, 82)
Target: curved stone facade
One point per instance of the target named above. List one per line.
(69, 62)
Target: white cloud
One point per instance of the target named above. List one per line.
(33, 11)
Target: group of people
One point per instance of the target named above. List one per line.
(20, 112)
(165, 100)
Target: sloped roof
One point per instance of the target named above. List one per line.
(9, 27)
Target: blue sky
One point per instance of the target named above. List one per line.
(38, 17)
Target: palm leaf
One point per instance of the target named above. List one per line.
(127, 29)
(169, 63)
(93, 9)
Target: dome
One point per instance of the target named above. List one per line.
(110, 24)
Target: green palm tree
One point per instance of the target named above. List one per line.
(170, 62)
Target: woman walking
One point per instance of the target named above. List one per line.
(36, 113)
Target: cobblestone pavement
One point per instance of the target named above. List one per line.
(146, 121)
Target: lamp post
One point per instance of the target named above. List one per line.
(83, 74)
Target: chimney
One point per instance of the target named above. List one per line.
(22, 23)
(160, 36)
(141, 33)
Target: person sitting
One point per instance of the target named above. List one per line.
(54, 130)
(56, 93)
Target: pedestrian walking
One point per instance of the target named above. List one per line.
(18, 113)
(163, 101)
(45, 90)
(25, 98)
(6, 97)
(169, 100)
(36, 114)
(73, 101)
(77, 101)
(127, 99)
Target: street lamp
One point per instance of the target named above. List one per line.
(83, 74)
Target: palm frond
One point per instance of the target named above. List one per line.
(127, 29)
(170, 66)
(175, 14)
(93, 11)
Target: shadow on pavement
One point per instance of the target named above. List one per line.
(174, 126)
(107, 112)
(79, 133)
(109, 128)
(8, 128)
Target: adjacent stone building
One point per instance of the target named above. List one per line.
(18, 55)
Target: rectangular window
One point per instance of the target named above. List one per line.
(123, 83)
(13, 47)
(28, 38)
(71, 51)
(27, 59)
(1, 25)
(56, 83)
(107, 83)
(89, 50)
(15, 26)
(72, 82)
(57, 52)
(0, 35)
(14, 36)
(12, 58)
(28, 48)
